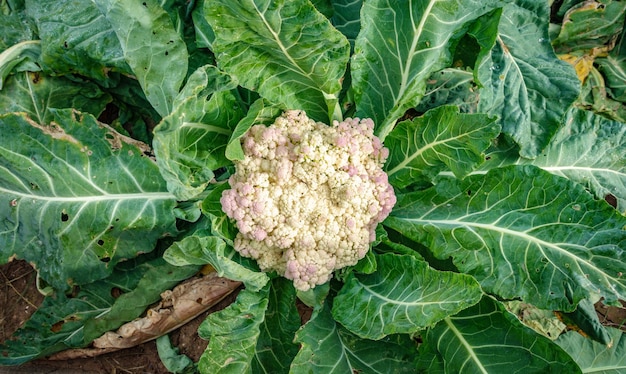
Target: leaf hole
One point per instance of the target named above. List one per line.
(611, 199)
(116, 292)
(100, 242)
(469, 192)
(57, 326)
(199, 300)
(64, 217)
(105, 259)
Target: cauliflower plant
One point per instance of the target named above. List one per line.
(308, 196)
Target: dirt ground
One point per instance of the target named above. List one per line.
(19, 298)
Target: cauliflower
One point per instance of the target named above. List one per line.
(307, 197)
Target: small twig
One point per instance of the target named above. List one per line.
(10, 284)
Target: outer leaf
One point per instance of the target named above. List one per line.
(588, 149)
(523, 233)
(525, 84)
(26, 52)
(190, 143)
(450, 87)
(442, 138)
(233, 334)
(614, 70)
(487, 339)
(77, 197)
(62, 322)
(275, 347)
(590, 25)
(327, 348)
(35, 94)
(201, 250)
(76, 38)
(404, 296)
(285, 50)
(593, 357)
(152, 47)
(400, 45)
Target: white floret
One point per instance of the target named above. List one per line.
(307, 197)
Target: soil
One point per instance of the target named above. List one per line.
(19, 299)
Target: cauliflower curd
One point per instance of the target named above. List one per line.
(308, 196)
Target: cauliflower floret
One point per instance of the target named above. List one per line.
(307, 197)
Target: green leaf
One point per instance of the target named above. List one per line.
(441, 139)
(614, 71)
(591, 24)
(190, 142)
(404, 296)
(77, 197)
(76, 38)
(285, 50)
(26, 52)
(260, 113)
(221, 225)
(487, 339)
(35, 94)
(173, 361)
(524, 83)
(61, 322)
(523, 233)
(593, 357)
(201, 250)
(328, 348)
(16, 27)
(400, 45)
(275, 348)
(347, 18)
(152, 48)
(586, 318)
(233, 334)
(450, 87)
(588, 149)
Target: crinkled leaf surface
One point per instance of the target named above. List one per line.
(35, 93)
(487, 339)
(77, 38)
(450, 87)
(593, 357)
(233, 334)
(285, 50)
(443, 138)
(588, 149)
(328, 348)
(63, 322)
(523, 233)
(275, 347)
(77, 197)
(152, 48)
(524, 83)
(400, 45)
(191, 142)
(405, 295)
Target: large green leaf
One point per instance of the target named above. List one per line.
(588, 149)
(347, 18)
(77, 197)
(400, 45)
(152, 48)
(35, 93)
(63, 322)
(21, 57)
(285, 50)
(275, 348)
(233, 334)
(524, 83)
(593, 357)
(488, 339)
(441, 139)
(191, 142)
(77, 38)
(328, 348)
(523, 233)
(404, 295)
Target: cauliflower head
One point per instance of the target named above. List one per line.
(307, 197)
